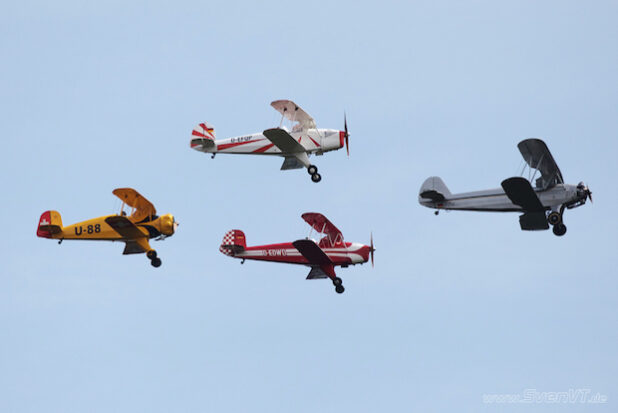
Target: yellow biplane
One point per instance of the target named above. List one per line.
(134, 229)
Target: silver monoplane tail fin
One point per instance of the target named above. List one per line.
(433, 189)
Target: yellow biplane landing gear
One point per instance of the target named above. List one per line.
(154, 260)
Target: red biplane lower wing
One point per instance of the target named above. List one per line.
(310, 250)
(316, 257)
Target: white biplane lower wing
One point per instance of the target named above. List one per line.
(289, 147)
(537, 156)
(520, 192)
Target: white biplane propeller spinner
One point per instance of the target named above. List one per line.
(542, 205)
(295, 146)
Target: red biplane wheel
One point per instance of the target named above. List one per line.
(339, 289)
(337, 281)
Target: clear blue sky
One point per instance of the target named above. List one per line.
(96, 96)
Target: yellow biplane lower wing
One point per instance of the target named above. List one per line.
(136, 240)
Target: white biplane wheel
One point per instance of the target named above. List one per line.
(312, 169)
(554, 218)
(339, 289)
(156, 262)
(559, 229)
(316, 178)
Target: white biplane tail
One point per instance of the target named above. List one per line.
(234, 242)
(434, 190)
(203, 137)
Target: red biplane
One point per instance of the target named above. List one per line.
(322, 256)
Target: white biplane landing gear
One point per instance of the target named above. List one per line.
(313, 171)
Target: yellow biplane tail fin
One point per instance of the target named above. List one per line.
(143, 208)
(50, 224)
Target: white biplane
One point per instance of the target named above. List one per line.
(542, 205)
(295, 146)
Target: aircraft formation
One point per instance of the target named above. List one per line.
(541, 205)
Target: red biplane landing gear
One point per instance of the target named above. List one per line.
(154, 260)
(338, 283)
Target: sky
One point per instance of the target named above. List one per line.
(97, 96)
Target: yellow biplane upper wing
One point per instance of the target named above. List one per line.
(143, 207)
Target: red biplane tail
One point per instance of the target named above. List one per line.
(50, 224)
(233, 242)
(203, 137)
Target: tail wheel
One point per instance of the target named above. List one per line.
(316, 178)
(152, 254)
(554, 218)
(156, 262)
(312, 169)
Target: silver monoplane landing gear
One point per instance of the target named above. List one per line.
(154, 260)
(338, 283)
(313, 171)
(555, 219)
(559, 229)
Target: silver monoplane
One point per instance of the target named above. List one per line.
(542, 205)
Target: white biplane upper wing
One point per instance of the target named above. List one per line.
(537, 156)
(292, 112)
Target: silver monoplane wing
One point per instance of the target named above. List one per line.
(537, 156)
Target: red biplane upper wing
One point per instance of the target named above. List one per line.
(321, 224)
